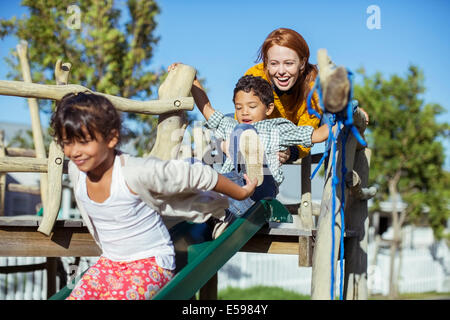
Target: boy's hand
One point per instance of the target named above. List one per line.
(250, 186)
(173, 66)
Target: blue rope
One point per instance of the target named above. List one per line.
(344, 119)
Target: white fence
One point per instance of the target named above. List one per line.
(425, 267)
(33, 285)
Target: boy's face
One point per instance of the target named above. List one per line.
(249, 108)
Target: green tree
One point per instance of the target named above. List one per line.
(407, 153)
(110, 49)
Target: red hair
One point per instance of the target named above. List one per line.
(293, 40)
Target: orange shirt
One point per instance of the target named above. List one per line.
(286, 107)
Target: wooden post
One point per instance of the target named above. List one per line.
(305, 219)
(55, 165)
(171, 126)
(209, 290)
(321, 273)
(38, 138)
(51, 276)
(356, 218)
(2, 175)
(55, 169)
(334, 82)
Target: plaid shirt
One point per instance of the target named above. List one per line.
(275, 134)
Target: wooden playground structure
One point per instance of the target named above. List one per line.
(305, 230)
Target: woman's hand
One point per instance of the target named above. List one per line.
(283, 156)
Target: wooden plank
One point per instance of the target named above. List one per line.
(33, 221)
(64, 242)
(261, 243)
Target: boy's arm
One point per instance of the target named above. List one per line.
(320, 134)
(201, 99)
(291, 134)
(199, 95)
(231, 189)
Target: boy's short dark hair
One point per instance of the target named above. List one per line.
(261, 88)
(93, 112)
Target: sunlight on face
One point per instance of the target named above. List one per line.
(284, 66)
(249, 107)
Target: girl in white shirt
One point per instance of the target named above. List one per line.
(127, 203)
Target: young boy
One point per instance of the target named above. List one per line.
(251, 140)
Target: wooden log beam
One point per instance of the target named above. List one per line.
(16, 187)
(19, 152)
(55, 171)
(56, 92)
(36, 128)
(55, 164)
(26, 164)
(22, 268)
(22, 164)
(171, 126)
(334, 82)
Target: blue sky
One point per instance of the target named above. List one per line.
(221, 39)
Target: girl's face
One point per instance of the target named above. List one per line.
(93, 156)
(284, 66)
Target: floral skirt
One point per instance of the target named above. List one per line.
(112, 280)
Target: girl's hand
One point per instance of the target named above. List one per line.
(249, 187)
(284, 156)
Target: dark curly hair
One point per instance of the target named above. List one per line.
(77, 112)
(261, 88)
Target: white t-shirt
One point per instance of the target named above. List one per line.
(127, 228)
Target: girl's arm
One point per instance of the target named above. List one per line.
(231, 189)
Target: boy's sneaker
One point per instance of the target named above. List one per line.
(221, 224)
(252, 150)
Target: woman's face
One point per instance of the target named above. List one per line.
(284, 66)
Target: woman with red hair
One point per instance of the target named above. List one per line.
(284, 57)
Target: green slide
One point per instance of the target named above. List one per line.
(199, 257)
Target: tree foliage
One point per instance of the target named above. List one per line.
(407, 150)
(110, 48)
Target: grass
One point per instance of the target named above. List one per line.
(276, 293)
(260, 293)
(415, 296)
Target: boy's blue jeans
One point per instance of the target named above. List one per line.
(269, 187)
